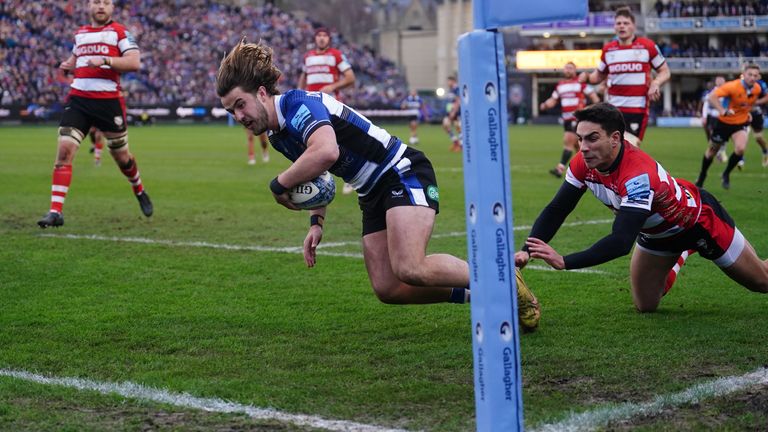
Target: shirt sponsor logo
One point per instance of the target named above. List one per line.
(625, 67)
(638, 189)
(300, 119)
(91, 49)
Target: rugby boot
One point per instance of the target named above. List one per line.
(145, 203)
(51, 219)
(726, 181)
(528, 309)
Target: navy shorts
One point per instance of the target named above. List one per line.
(410, 183)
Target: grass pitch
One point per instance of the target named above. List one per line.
(257, 327)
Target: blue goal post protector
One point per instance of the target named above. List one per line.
(488, 206)
(488, 14)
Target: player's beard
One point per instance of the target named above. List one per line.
(100, 22)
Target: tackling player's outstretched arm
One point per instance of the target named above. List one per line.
(551, 218)
(618, 243)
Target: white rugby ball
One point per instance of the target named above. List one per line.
(318, 192)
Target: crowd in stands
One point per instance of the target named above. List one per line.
(182, 42)
(740, 47)
(709, 8)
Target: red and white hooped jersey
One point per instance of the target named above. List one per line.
(629, 72)
(111, 40)
(323, 68)
(642, 183)
(570, 93)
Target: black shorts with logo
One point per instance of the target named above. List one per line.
(722, 132)
(569, 125)
(410, 183)
(107, 115)
(757, 121)
(636, 123)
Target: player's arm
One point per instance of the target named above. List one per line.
(302, 81)
(314, 235)
(714, 100)
(551, 218)
(69, 63)
(662, 76)
(762, 100)
(596, 77)
(618, 243)
(321, 153)
(593, 97)
(548, 104)
(347, 79)
(130, 61)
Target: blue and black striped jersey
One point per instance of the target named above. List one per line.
(366, 151)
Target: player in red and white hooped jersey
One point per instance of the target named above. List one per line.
(571, 93)
(626, 62)
(663, 215)
(103, 50)
(326, 69)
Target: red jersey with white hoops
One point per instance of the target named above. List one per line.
(111, 40)
(629, 73)
(323, 68)
(642, 183)
(570, 93)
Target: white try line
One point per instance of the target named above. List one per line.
(185, 400)
(298, 249)
(600, 418)
(292, 250)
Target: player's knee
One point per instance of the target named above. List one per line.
(117, 142)
(410, 274)
(388, 293)
(71, 135)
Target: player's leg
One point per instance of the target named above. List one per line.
(413, 126)
(757, 128)
(97, 137)
(636, 124)
(648, 274)
(251, 147)
(748, 269)
(740, 139)
(389, 286)
(111, 121)
(570, 142)
(720, 135)
(72, 129)
(264, 141)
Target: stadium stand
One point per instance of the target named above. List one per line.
(181, 42)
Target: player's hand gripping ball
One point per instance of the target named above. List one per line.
(318, 192)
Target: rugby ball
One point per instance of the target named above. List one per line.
(318, 192)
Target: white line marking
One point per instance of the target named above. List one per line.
(298, 249)
(599, 418)
(185, 400)
(292, 250)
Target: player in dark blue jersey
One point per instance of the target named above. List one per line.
(451, 123)
(396, 186)
(414, 102)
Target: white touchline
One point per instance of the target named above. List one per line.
(185, 400)
(591, 420)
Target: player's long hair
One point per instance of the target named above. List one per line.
(606, 115)
(248, 66)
